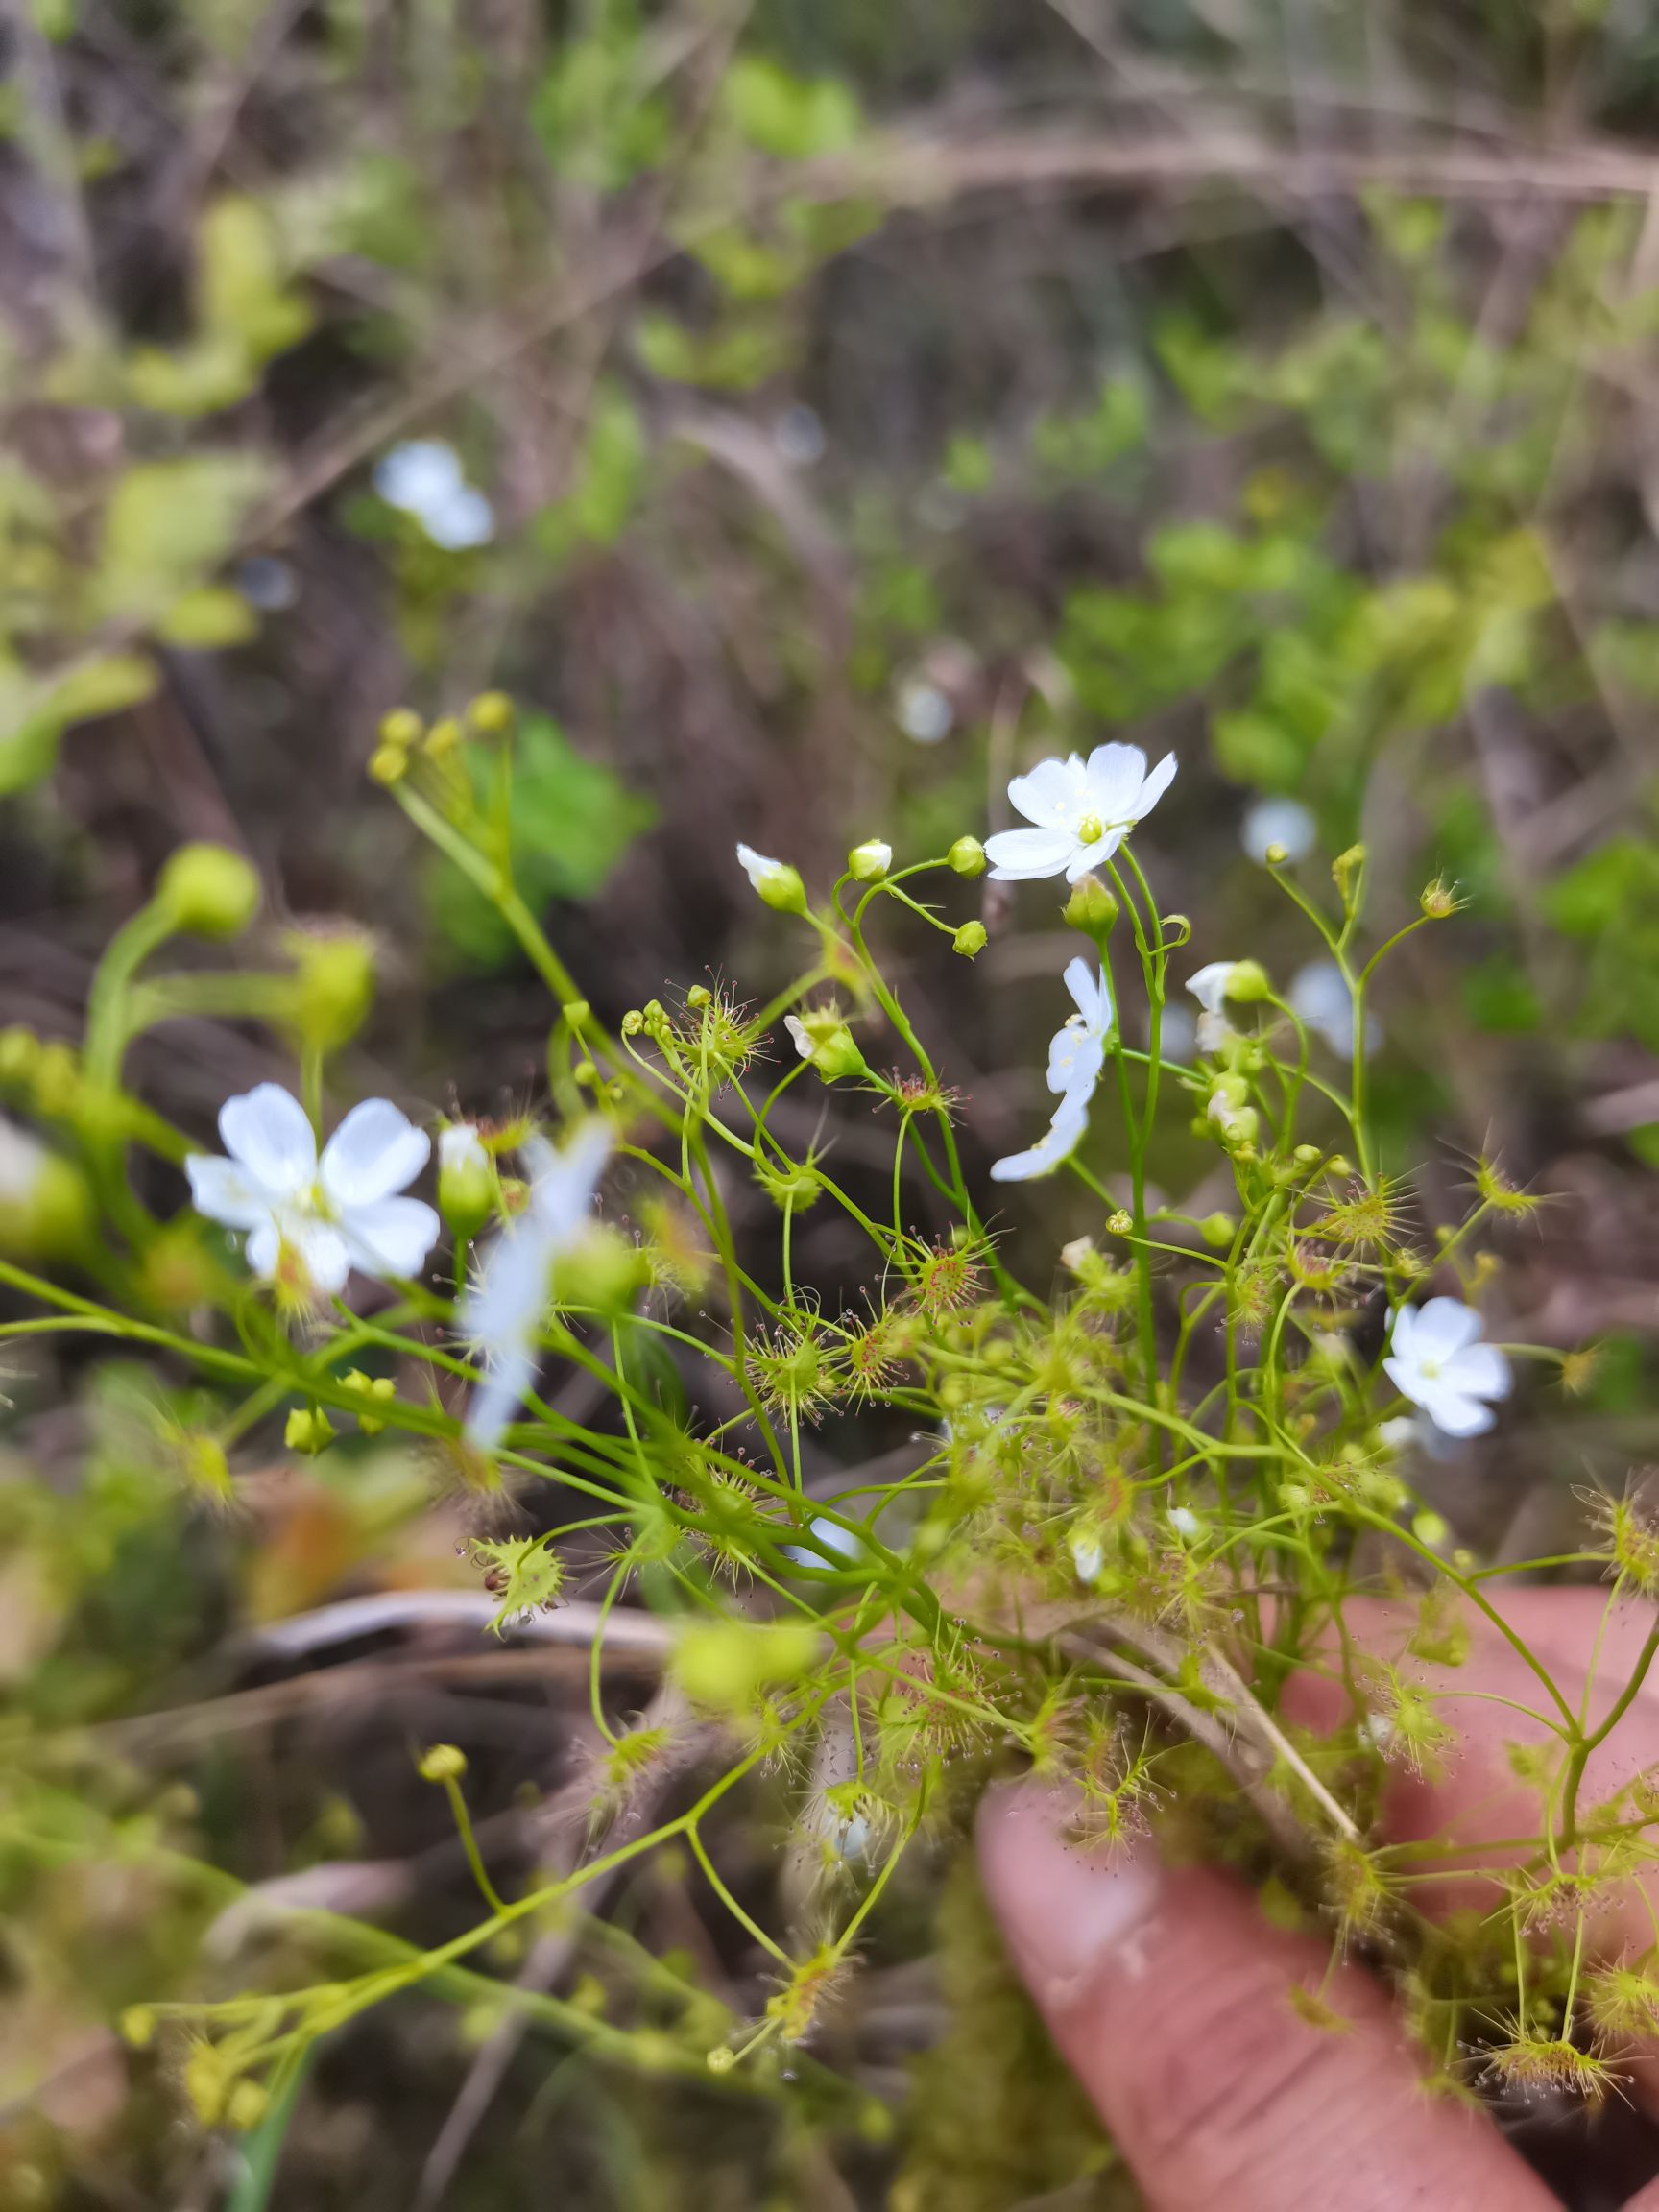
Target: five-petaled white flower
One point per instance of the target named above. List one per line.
(1082, 809)
(502, 1312)
(1437, 1360)
(1078, 1052)
(325, 1215)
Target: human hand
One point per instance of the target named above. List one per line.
(1169, 1995)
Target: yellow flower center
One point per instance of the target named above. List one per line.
(1091, 830)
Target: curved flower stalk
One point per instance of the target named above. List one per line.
(319, 1217)
(503, 1310)
(1082, 811)
(1436, 1360)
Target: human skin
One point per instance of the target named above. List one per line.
(1169, 1995)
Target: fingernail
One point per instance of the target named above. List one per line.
(1063, 1904)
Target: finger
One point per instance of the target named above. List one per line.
(1171, 1999)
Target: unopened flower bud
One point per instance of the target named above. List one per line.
(699, 998)
(46, 1209)
(443, 1762)
(779, 884)
(966, 856)
(970, 940)
(208, 890)
(401, 728)
(466, 1180)
(822, 1036)
(334, 984)
(373, 1389)
(603, 1273)
(1276, 855)
(1091, 906)
(1430, 1529)
(1121, 1223)
(388, 764)
(490, 714)
(1077, 1254)
(632, 1021)
(870, 861)
(1218, 1230)
(1248, 983)
(443, 737)
(1438, 900)
(247, 2106)
(1306, 1155)
(723, 1665)
(308, 1430)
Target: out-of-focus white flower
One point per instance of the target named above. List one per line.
(844, 1541)
(1087, 1557)
(324, 1217)
(1319, 993)
(1283, 822)
(1437, 1360)
(1184, 1522)
(1078, 1052)
(461, 1148)
(1058, 1142)
(1082, 809)
(502, 1312)
(925, 713)
(424, 477)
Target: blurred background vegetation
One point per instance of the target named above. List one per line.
(810, 413)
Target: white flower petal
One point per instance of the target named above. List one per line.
(1481, 1370)
(1403, 1335)
(317, 1245)
(499, 1397)
(1156, 781)
(566, 1182)
(375, 1151)
(266, 1133)
(1051, 795)
(1455, 1416)
(1058, 1142)
(1114, 776)
(1075, 1057)
(221, 1191)
(1022, 856)
(1093, 854)
(756, 866)
(1090, 993)
(265, 1247)
(420, 474)
(1210, 985)
(391, 1236)
(1443, 1327)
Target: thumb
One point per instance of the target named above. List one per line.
(1171, 1999)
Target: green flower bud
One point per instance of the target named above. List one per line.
(490, 715)
(1306, 1154)
(1092, 908)
(19, 1054)
(443, 1762)
(209, 891)
(1276, 855)
(870, 861)
(401, 728)
(466, 1180)
(443, 737)
(1248, 981)
(1218, 1230)
(779, 884)
(308, 1430)
(46, 1209)
(605, 1272)
(970, 940)
(247, 2106)
(57, 1080)
(725, 1665)
(966, 856)
(373, 1389)
(334, 984)
(1438, 900)
(388, 764)
(822, 1036)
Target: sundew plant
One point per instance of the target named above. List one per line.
(1159, 1494)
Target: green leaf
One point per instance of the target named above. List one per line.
(168, 527)
(204, 621)
(792, 117)
(608, 480)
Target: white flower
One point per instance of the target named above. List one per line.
(329, 1215)
(1078, 1052)
(925, 713)
(502, 1311)
(1082, 811)
(1058, 1141)
(1320, 995)
(1437, 1360)
(424, 477)
(1184, 1522)
(846, 1542)
(1281, 822)
(1087, 1557)
(779, 884)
